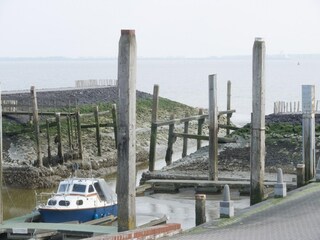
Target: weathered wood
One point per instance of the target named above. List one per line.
(182, 183)
(115, 123)
(126, 177)
(200, 127)
(36, 125)
(203, 137)
(171, 140)
(188, 119)
(86, 126)
(229, 115)
(69, 132)
(48, 140)
(200, 208)
(98, 136)
(308, 131)
(185, 139)
(213, 128)
(162, 220)
(1, 162)
(257, 151)
(154, 128)
(29, 114)
(59, 137)
(300, 175)
(79, 135)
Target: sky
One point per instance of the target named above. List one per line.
(164, 28)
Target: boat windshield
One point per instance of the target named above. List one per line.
(79, 188)
(64, 187)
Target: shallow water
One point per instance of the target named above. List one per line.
(179, 207)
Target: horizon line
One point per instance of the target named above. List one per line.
(283, 56)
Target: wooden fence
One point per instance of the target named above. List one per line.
(172, 135)
(282, 107)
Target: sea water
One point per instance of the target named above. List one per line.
(182, 80)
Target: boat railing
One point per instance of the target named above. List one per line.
(42, 198)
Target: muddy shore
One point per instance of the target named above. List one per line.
(283, 149)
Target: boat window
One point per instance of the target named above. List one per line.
(99, 191)
(52, 202)
(79, 202)
(79, 188)
(63, 188)
(91, 189)
(64, 203)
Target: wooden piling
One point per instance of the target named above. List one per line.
(59, 137)
(115, 124)
(185, 139)
(200, 209)
(48, 140)
(308, 130)
(300, 175)
(126, 177)
(257, 153)
(171, 140)
(98, 136)
(154, 128)
(69, 131)
(80, 148)
(36, 124)
(200, 127)
(1, 162)
(228, 105)
(213, 129)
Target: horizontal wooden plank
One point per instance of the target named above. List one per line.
(191, 118)
(238, 183)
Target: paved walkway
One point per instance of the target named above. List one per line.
(295, 217)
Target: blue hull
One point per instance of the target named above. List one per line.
(83, 215)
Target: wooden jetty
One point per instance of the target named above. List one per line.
(206, 186)
(23, 228)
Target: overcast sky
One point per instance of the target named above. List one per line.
(164, 28)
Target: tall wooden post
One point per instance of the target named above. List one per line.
(1, 162)
(59, 138)
(48, 140)
(185, 139)
(308, 130)
(69, 131)
(126, 177)
(36, 124)
(171, 140)
(154, 128)
(257, 152)
(213, 128)
(228, 105)
(200, 127)
(80, 148)
(98, 136)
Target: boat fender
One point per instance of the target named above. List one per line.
(96, 216)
